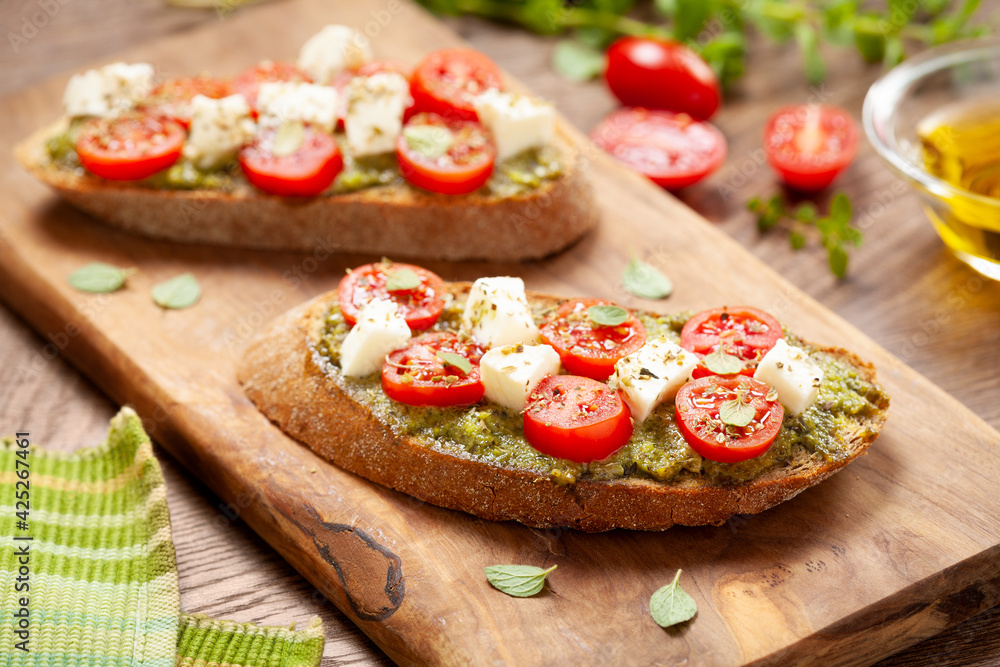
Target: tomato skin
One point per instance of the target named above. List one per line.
(420, 389)
(661, 74)
(672, 150)
(129, 147)
(742, 331)
(247, 83)
(420, 307)
(555, 424)
(588, 349)
(446, 82)
(305, 173)
(697, 409)
(466, 166)
(172, 98)
(809, 145)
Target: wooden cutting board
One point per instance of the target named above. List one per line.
(899, 546)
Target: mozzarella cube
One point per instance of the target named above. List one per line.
(652, 374)
(281, 101)
(374, 116)
(218, 129)
(380, 329)
(497, 313)
(112, 89)
(510, 373)
(332, 50)
(793, 375)
(516, 122)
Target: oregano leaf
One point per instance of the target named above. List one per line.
(520, 581)
(838, 260)
(99, 278)
(455, 361)
(577, 61)
(646, 282)
(607, 316)
(431, 141)
(398, 280)
(671, 604)
(176, 293)
(736, 413)
(721, 363)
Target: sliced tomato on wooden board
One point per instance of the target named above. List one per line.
(445, 156)
(576, 418)
(728, 419)
(172, 98)
(741, 331)
(809, 145)
(662, 74)
(587, 347)
(247, 83)
(447, 82)
(437, 369)
(294, 160)
(129, 147)
(416, 291)
(671, 149)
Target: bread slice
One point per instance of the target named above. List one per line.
(394, 220)
(281, 371)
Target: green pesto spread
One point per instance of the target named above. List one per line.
(516, 175)
(657, 450)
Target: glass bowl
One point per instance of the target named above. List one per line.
(944, 82)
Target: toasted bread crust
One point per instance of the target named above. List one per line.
(281, 375)
(395, 220)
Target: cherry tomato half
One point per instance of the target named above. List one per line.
(172, 98)
(810, 144)
(660, 74)
(247, 83)
(420, 374)
(447, 82)
(576, 418)
(447, 157)
(129, 147)
(744, 332)
(585, 347)
(420, 304)
(306, 172)
(673, 150)
(698, 406)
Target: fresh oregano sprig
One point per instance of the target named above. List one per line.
(718, 28)
(834, 229)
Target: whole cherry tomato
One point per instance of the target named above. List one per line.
(660, 74)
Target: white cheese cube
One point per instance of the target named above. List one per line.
(793, 375)
(380, 329)
(112, 89)
(218, 129)
(281, 101)
(652, 374)
(374, 116)
(510, 373)
(332, 50)
(497, 313)
(516, 122)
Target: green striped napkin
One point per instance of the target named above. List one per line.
(88, 574)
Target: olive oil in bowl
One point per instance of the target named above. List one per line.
(961, 146)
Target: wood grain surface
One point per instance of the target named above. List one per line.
(905, 292)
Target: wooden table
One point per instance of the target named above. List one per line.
(904, 290)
